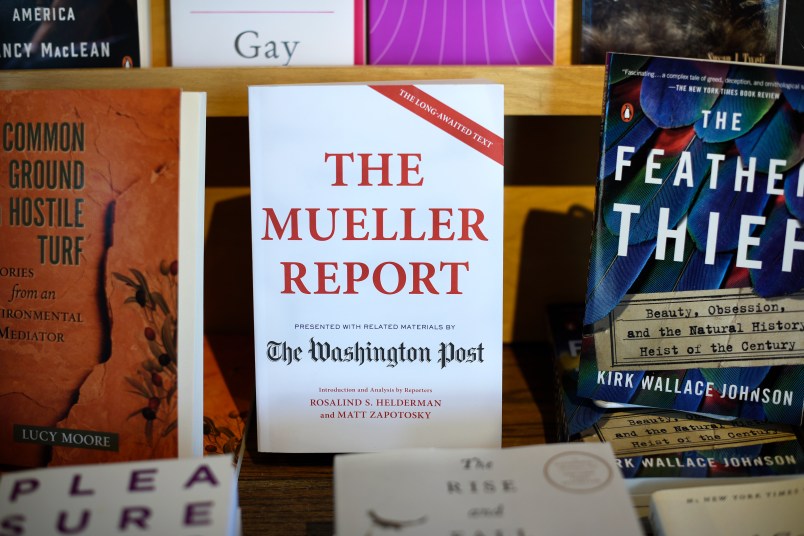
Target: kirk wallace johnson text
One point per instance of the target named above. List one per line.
(663, 384)
(365, 353)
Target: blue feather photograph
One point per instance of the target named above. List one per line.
(695, 288)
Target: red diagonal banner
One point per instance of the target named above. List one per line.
(447, 119)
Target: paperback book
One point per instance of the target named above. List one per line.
(654, 443)
(744, 509)
(537, 489)
(659, 443)
(694, 295)
(377, 260)
(455, 32)
(63, 35)
(791, 41)
(267, 33)
(660, 449)
(101, 218)
(730, 30)
(182, 497)
(228, 395)
(663, 449)
(573, 413)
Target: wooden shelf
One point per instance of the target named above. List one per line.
(560, 90)
(563, 90)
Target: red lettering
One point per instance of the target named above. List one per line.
(292, 220)
(438, 223)
(453, 275)
(423, 279)
(339, 166)
(313, 212)
(467, 225)
(351, 278)
(387, 277)
(352, 222)
(405, 169)
(380, 217)
(323, 277)
(408, 232)
(382, 168)
(408, 168)
(290, 280)
(400, 274)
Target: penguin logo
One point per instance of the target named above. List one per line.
(128, 63)
(627, 112)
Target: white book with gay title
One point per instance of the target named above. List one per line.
(267, 33)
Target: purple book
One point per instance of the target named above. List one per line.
(458, 32)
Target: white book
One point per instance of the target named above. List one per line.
(559, 489)
(750, 508)
(191, 496)
(266, 33)
(377, 260)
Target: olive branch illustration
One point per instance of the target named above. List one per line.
(224, 438)
(155, 378)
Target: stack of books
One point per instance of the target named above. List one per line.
(686, 356)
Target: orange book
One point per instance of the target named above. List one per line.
(100, 338)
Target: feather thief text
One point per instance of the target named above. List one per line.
(740, 177)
